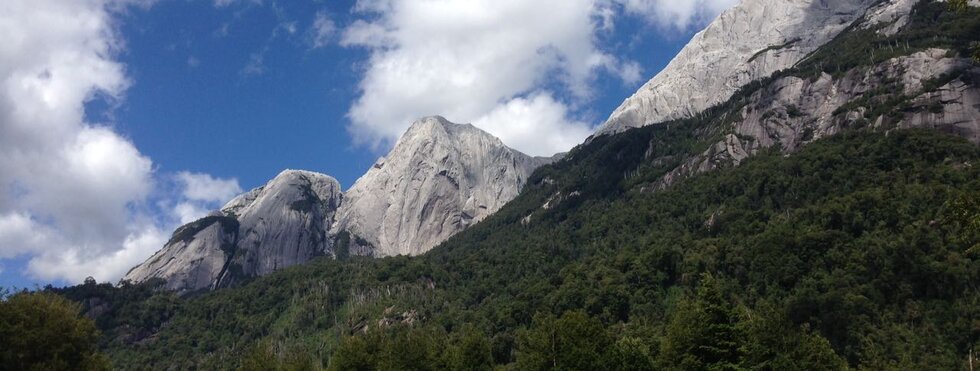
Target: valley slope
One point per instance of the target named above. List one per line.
(822, 217)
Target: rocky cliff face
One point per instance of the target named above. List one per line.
(287, 223)
(915, 91)
(194, 258)
(904, 67)
(280, 224)
(439, 179)
(752, 40)
(275, 226)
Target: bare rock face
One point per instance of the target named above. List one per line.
(275, 226)
(194, 258)
(287, 223)
(750, 41)
(439, 179)
(792, 111)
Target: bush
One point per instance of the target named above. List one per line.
(44, 331)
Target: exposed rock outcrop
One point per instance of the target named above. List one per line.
(748, 42)
(287, 223)
(927, 89)
(275, 226)
(439, 179)
(194, 258)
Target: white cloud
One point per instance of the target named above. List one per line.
(368, 34)
(188, 212)
(480, 60)
(73, 193)
(467, 59)
(55, 56)
(202, 193)
(76, 264)
(630, 72)
(680, 15)
(57, 256)
(19, 234)
(79, 199)
(538, 124)
(323, 30)
(204, 187)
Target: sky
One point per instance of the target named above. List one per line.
(123, 119)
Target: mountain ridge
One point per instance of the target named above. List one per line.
(818, 218)
(475, 170)
(748, 42)
(299, 215)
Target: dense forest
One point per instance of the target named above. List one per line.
(861, 250)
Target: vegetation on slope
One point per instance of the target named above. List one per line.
(860, 250)
(44, 331)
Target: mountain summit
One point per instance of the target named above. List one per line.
(280, 224)
(439, 179)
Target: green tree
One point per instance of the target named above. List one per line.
(471, 351)
(957, 5)
(631, 354)
(703, 334)
(573, 342)
(963, 215)
(354, 354)
(259, 358)
(44, 331)
(962, 6)
(772, 342)
(411, 348)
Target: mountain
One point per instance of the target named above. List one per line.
(439, 179)
(822, 217)
(748, 42)
(271, 227)
(902, 64)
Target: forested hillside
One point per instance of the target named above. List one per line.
(859, 250)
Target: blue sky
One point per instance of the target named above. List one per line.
(122, 119)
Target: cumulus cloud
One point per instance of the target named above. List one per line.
(482, 61)
(73, 193)
(75, 264)
(19, 234)
(204, 187)
(520, 122)
(201, 194)
(467, 59)
(680, 15)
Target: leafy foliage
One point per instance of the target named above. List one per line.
(44, 331)
(703, 334)
(958, 5)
